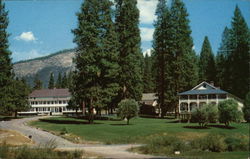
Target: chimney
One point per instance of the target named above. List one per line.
(212, 83)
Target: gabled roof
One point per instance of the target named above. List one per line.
(204, 88)
(50, 93)
(206, 91)
(204, 83)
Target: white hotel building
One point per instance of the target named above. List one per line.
(49, 101)
(204, 93)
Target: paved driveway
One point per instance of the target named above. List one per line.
(42, 138)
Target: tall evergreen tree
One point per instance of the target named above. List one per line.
(59, 81)
(223, 75)
(148, 81)
(37, 84)
(207, 70)
(130, 56)
(18, 96)
(65, 81)
(185, 69)
(239, 57)
(5, 60)
(51, 81)
(94, 81)
(163, 56)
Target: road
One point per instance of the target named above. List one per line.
(41, 138)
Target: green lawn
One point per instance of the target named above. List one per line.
(117, 132)
(142, 128)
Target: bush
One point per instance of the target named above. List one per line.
(206, 114)
(211, 142)
(128, 109)
(228, 111)
(63, 131)
(24, 152)
(164, 145)
(213, 113)
(246, 108)
(239, 143)
(200, 116)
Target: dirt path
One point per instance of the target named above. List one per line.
(41, 137)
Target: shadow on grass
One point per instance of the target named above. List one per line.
(120, 124)
(8, 118)
(209, 127)
(66, 121)
(173, 121)
(222, 126)
(196, 127)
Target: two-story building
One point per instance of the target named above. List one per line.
(204, 93)
(49, 101)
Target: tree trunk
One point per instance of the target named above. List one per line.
(15, 114)
(127, 121)
(90, 112)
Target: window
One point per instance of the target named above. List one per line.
(193, 97)
(60, 102)
(64, 102)
(222, 96)
(184, 97)
(44, 102)
(202, 96)
(211, 96)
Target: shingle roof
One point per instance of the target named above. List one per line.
(50, 93)
(206, 91)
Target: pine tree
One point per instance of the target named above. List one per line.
(51, 81)
(37, 83)
(19, 92)
(148, 81)
(239, 57)
(162, 55)
(184, 76)
(94, 81)
(59, 81)
(223, 75)
(207, 70)
(5, 60)
(130, 56)
(65, 81)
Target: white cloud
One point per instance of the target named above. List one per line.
(193, 47)
(147, 10)
(18, 56)
(147, 33)
(26, 36)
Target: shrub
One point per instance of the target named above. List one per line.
(211, 142)
(128, 109)
(164, 145)
(63, 131)
(206, 114)
(239, 143)
(200, 115)
(246, 108)
(228, 111)
(213, 114)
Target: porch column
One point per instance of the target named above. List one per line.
(179, 104)
(198, 101)
(207, 98)
(217, 101)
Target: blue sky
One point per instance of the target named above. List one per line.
(42, 27)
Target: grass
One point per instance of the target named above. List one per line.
(118, 132)
(45, 152)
